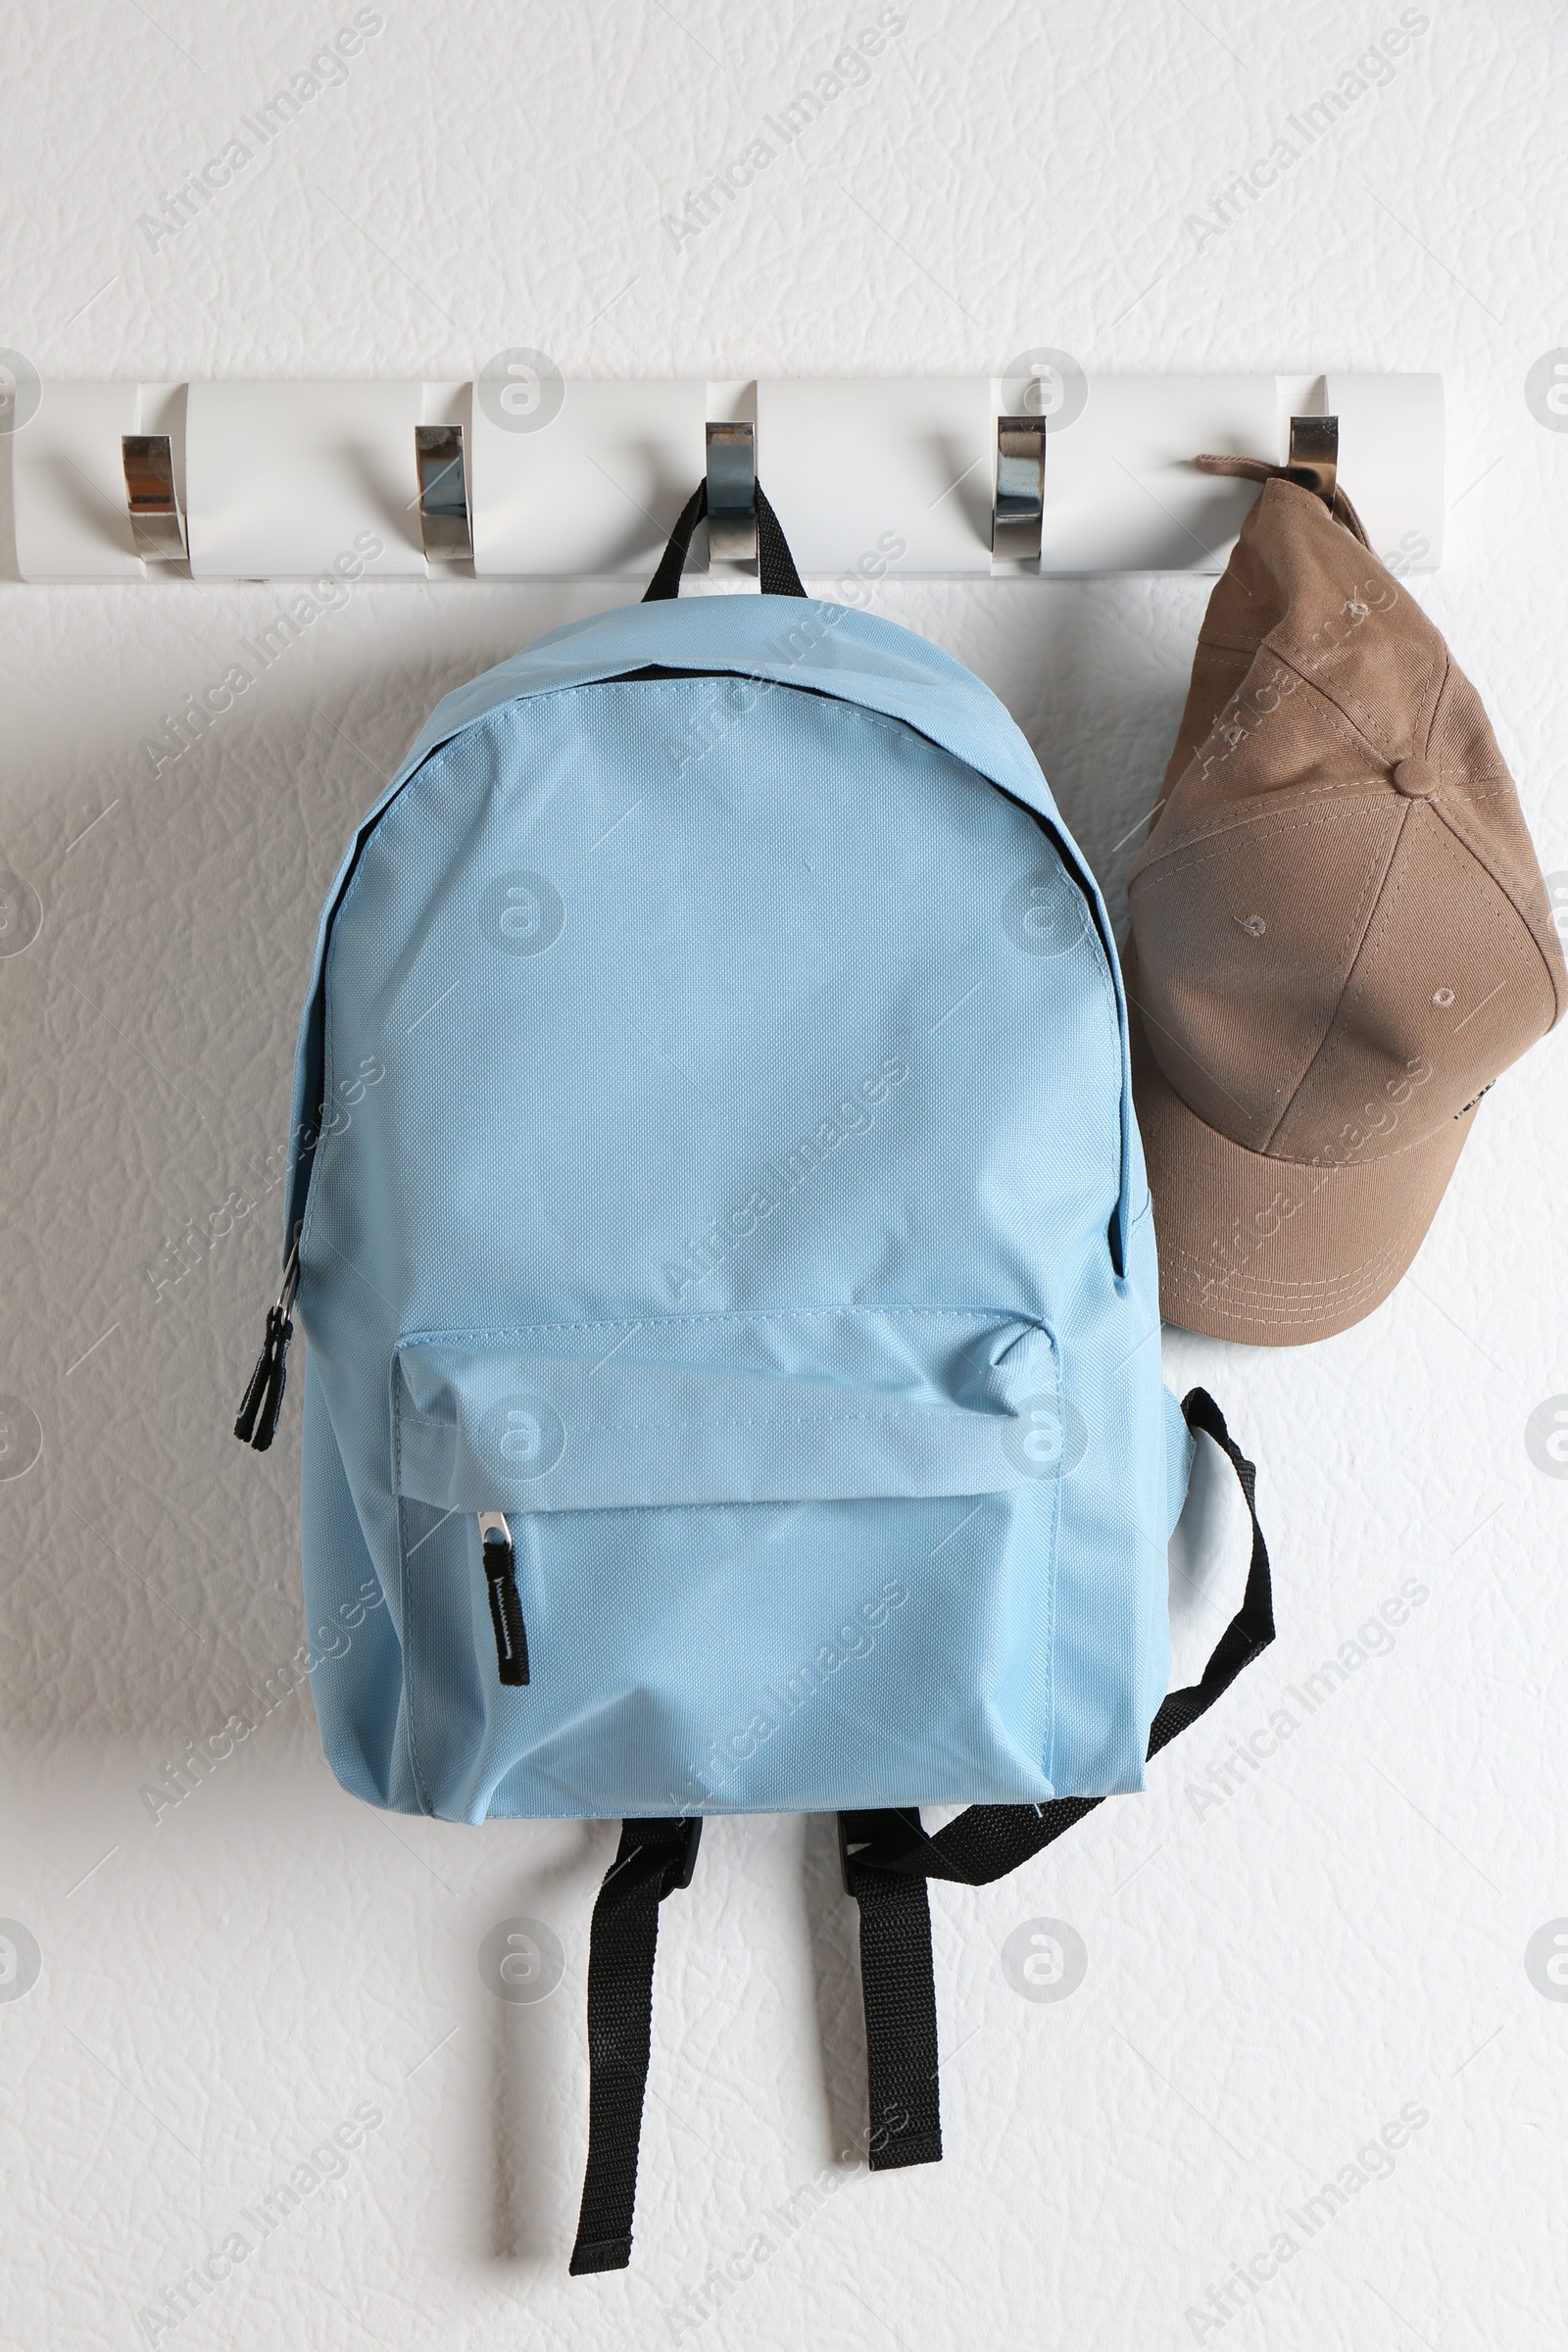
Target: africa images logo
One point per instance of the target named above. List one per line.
(1546, 391)
(1546, 1437)
(522, 1960)
(523, 1436)
(1045, 1959)
(523, 913)
(21, 1961)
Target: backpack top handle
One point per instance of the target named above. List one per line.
(774, 564)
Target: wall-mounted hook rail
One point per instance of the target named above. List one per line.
(944, 477)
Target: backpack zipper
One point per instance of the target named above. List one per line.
(257, 1423)
(506, 1606)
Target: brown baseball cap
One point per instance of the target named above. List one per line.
(1339, 936)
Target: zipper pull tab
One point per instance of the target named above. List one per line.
(257, 1424)
(506, 1606)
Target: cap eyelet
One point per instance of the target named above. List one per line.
(1442, 996)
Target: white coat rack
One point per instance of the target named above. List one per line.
(526, 475)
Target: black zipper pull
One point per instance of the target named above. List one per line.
(257, 1425)
(506, 1607)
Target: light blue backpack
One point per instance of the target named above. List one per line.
(719, 1226)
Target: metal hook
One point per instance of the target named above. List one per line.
(444, 521)
(732, 493)
(157, 525)
(1019, 508)
(1314, 455)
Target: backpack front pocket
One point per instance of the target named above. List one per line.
(748, 1562)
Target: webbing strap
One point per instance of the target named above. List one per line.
(987, 1840)
(899, 1994)
(654, 1858)
(775, 566)
(887, 1850)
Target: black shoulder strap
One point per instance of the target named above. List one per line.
(654, 1859)
(888, 1850)
(899, 1989)
(775, 565)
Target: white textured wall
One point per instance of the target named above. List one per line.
(1272, 1978)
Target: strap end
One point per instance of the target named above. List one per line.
(601, 2254)
(892, 2155)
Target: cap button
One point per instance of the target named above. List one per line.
(1415, 779)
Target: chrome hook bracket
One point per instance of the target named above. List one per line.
(1314, 455)
(1018, 508)
(157, 525)
(732, 493)
(445, 524)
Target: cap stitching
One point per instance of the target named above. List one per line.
(1308, 1306)
(1469, 852)
(1376, 742)
(1444, 683)
(1251, 808)
(1255, 809)
(1278, 1315)
(1278, 1160)
(1520, 912)
(1347, 704)
(1149, 875)
(1350, 704)
(1343, 728)
(1347, 1287)
(1350, 987)
(1294, 1302)
(1291, 1286)
(1360, 739)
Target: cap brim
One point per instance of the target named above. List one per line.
(1276, 1251)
